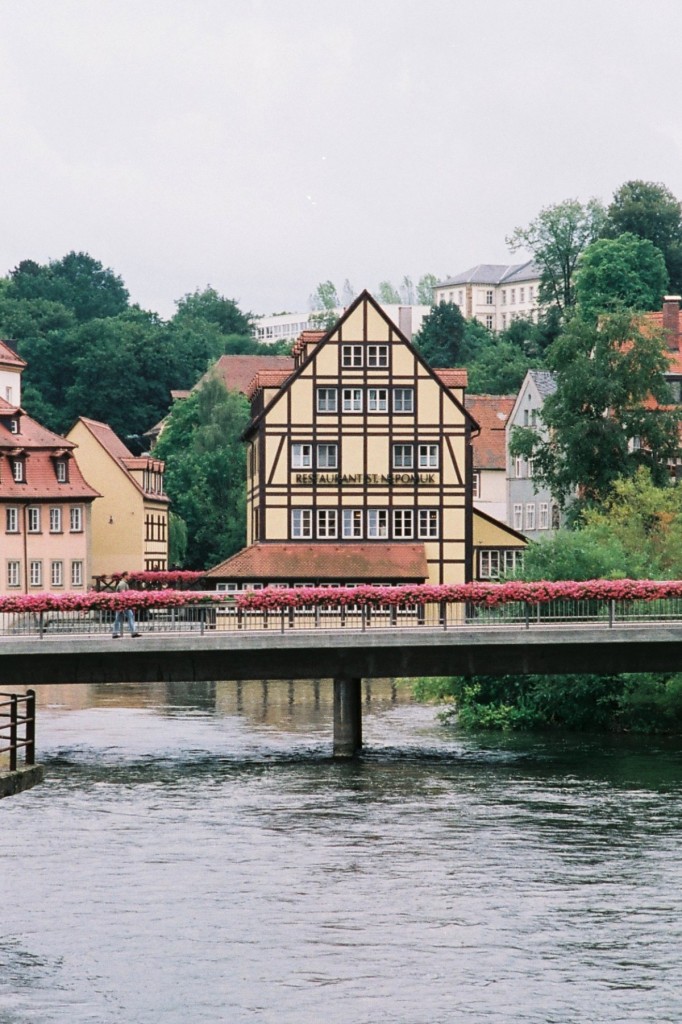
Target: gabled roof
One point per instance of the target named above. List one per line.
(121, 455)
(452, 378)
(267, 379)
(491, 412)
(364, 296)
(32, 435)
(7, 409)
(371, 562)
(8, 356)
(237, 372)
(41, 480)
(495, 273)
(544, 380)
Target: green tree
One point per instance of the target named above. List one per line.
(208, 306)
(555, 239)
(617, 273)
(77, 281)
(425, 286)
(324, 302)
(441, 335)
(387, 294)
(498, 368)
(601, 425)
(206, 471)
(649, 210)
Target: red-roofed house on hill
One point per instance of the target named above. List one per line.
(45, 504)
(359, 466)
(130, 520)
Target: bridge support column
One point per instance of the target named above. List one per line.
(347, 716)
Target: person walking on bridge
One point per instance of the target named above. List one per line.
(127, 612)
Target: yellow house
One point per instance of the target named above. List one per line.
(130, 520)
(359, 465)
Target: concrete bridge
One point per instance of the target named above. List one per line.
(346, 656)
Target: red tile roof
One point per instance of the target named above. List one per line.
(237, 372)
(674, 338)
(113, 445)
(279, 562)
(8, 356)
(41, 481)
(491, 412)
(6, 408)
(306, 338)
(267, 379)
(32, 435)
(452, 378)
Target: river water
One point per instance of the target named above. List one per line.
(196, 857)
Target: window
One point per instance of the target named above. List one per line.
(428, 456)
(36, 574)
(512, 297)
(531, 293)
(326, 523)
(351, 355)
(489, 322)
(504, 321)
(76, 519)
(429, 523)
(327, 400)
(555, 517)
(377, 400)
(526, 417)
(489, 298)
(403, 456)
(33, 516)
(543, 516)
(531, 468)
(530, 515)
(518, 466)
(60, 469)
(8, 393)
(12, 520)
(504, 297)
(327, 456)
(518, 516)
(489, 565)
(377, 522)
(460, 297)
(377, 355)
(57, 574)
(403, 523)
(301, 456)
(301, 522)
(18, 471)
(55, 520)
(522, 294)
(14, 426)
(76, 574)
(352, 522)
(352, 400)
(403, 400)
(14, 574)
(477, 485)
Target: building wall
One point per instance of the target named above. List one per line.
(495, 306)
(492, 493)
(532, 511)
(10, 385)
(55, 559)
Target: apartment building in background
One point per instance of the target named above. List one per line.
(494, 294)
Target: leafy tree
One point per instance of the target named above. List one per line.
(348, 293)
(207, 306)
(425, 286)
(177, 540)
(556, 238)
(206, 471)
(77, 281)
(324, 302)
(441, 335)
(649, 210)
(407, 292)
(498, 369)
(387, 294)
(622, 272)
(601, 425)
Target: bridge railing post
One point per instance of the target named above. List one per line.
(612, 613)
(30, 727)
(527, 613)
(13, 719)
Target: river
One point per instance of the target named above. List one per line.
(196, 857)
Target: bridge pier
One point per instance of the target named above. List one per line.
(347, 716)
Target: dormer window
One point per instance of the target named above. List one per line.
(60, 469)
(18, 471)
(14, 426)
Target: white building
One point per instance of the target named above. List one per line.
(288, 326)
(531, 508)
(494, 294)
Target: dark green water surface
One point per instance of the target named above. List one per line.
(196, 857)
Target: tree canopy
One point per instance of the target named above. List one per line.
(649, 210)
(623, 272)
(441, 335)
(76, 281)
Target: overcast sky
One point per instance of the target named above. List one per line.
(262, 146)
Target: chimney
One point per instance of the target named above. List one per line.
(671, 310)
(405, 321)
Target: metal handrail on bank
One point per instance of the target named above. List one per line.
(18, 727)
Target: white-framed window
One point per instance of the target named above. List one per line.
(429, 523)
(531, 468)
(428, 456)
(489, 297)
(13, 573)
(35, 573)
(518, 466)
(77, 574)
(18, 471)
(377, 355)
(522, 294)
(60, 470)
(543, 516)
(352, 523)
(490, 322)
(403, 400)
(555, 516)
(14, 426)
(57, 574)
(403, 456)
(518, 516)
(301, 522)
(477, 484)
(504, 321)
(504, 296)
(76, 519)
(512, 297)
(327, 400)
(377, 522)
(327, 456)
(326, 523)
(351, 356)
(33, 516)
(489, 565)
(530, 515)
(11, 520)
(403, 523)
(301, 456)
(55, 520)
(377, 400)
(352, 400)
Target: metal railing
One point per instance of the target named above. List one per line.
(18, 728)
(229, 616)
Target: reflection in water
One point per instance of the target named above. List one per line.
(197, 856)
